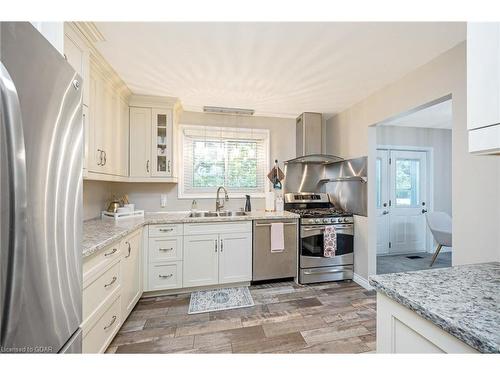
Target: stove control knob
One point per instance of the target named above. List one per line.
(340, 220)
(317, 221)
(325, 221)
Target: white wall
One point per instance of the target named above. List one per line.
(96, 195)
(440, 141)
(147, 195)
(475, 179)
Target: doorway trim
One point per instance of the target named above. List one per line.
(429, 239)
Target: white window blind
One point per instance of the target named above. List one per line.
(231, 157)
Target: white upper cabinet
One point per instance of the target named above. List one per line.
(152, 123)
(483, 87)
(140, 142)
(76, 53)
(162, 143)
(108, 126)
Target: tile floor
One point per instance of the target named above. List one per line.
(287, 318)
(400, 263)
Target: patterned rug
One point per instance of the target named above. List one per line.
(220, 299)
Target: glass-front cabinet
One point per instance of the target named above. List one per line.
(161, 150)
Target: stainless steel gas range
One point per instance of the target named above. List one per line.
(316, 212)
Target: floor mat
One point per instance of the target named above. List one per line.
(220, 299)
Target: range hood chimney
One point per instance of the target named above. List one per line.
(308, 134)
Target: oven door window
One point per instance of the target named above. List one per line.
(312, 242)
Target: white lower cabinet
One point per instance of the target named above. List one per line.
(98, 335)
(400, 330)
(112, 285)
(165, 276)
(164, 257)
(201, 260)
(131, 272)
(235, 257)
(222, 256)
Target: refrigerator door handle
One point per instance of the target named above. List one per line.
(15, 252)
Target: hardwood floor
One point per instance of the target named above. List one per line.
(287, 318)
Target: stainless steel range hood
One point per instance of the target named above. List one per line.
(315, 159)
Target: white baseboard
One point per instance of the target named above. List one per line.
(361, 281)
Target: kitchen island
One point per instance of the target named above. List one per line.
(454, 309)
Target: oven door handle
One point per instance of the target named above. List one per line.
(313, 231)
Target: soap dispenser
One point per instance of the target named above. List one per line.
(248, 205)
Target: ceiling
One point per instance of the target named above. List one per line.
(437, 116)
(277, 69)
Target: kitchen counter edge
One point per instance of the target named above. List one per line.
(482, 342)
(100, 233)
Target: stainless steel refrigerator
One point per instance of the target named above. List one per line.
(41, 137)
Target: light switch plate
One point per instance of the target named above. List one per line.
(163, 200)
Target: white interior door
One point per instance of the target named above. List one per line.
(408, 201)
(382, 181)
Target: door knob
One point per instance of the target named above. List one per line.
(424, 210)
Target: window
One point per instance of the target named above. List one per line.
(231, 157)
(407, 182)
(379, 181)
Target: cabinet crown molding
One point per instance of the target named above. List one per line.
(90, 31)
(167, 102)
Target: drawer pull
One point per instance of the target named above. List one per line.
(129, 249)
(165, 249)
(165, 276)
(113, 280)
(113, 320)
(111, 252)
(166, 230)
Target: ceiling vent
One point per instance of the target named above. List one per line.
(228, 111)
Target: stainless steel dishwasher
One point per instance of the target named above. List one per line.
(269, 265)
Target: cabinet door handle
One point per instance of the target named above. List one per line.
(221, 245)
(165, 249)
(104, 152)
(111, 252)
(113, 320)
(168, 166)
(129, 249)
(216, 245)
(113, 280)
(99, 151)
(165, 230)
(147, 166)
(165, 276)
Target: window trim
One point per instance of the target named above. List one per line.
(211, 195)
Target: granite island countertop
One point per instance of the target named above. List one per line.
(99, 233)
(462, 300)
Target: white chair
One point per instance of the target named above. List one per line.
(440, 226)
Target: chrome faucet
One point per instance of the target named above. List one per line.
(218, 204)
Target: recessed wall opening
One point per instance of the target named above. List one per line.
(413, 200)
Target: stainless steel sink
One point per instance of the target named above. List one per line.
(217, 214)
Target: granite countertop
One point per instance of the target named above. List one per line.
(99, 233)
(462, 300)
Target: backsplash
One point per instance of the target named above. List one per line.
(146, 196)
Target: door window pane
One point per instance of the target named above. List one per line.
(379, 182)
(407, 182)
